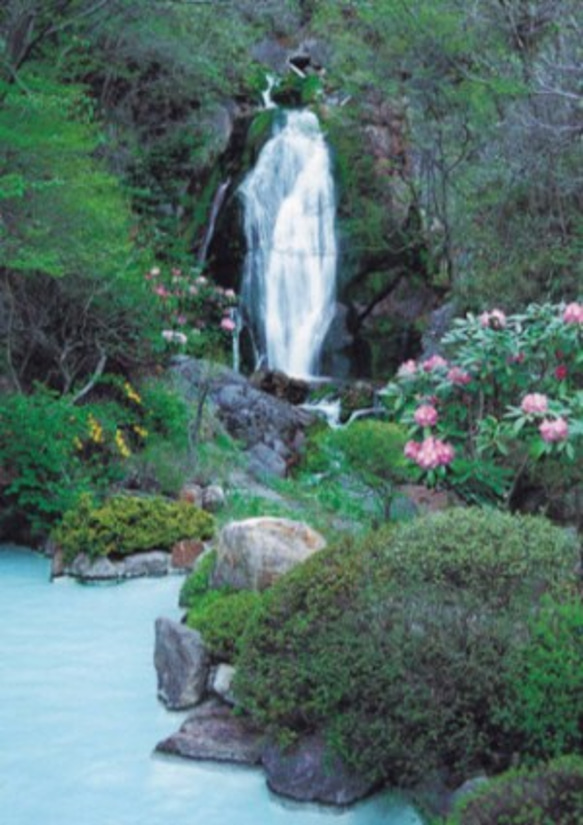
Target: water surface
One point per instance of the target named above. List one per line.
(79, 717)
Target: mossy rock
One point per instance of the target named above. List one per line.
(550, 794)
(126, 524)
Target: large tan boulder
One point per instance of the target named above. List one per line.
(253, 554)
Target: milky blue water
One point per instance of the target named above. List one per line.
(79, 717)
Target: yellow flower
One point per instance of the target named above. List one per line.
(141, 431)
(131, 393)
(77, 443)
(123, 448)
(95, 430)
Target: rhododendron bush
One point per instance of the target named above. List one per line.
(199, 315)
(502, 400)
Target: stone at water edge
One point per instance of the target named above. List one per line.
(307, 772)
(252, 554)
(221, 681)
(182, 664)
(212, 732)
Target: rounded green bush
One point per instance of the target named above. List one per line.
(129, 524)
(221, 617)
(550, 794)
(197, 583)
(397, 646)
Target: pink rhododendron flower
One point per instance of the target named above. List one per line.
(430, 454)
(193, 290)
(412, 450)
(181, 319)
(230, 294)
(407, 369)
(434, 363)
(556, 430)
(459, 376)
(161, 291)
(434, 453)
(202, 280)
(496, 319)
(573, 314)
(426, 415)
(535, 403)
(155, 271)
(228, 324)
(561, 372)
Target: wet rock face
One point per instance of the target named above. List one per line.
(182, 665)
(252, 554)
(307, 772)
(270, 428)
(213, 733)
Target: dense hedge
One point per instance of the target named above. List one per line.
(546, 795)
(129, 524)
(398, 646)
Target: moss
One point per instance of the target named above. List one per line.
(127, 524)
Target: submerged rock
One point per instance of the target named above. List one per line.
(212, 732)
(307, 772)
(182, 664)
(252, 554)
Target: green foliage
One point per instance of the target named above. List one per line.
(42, 469)
(550, 794)
(127, 524)
(222, 618)
(545, 684)
(397, 645)
(197, 583)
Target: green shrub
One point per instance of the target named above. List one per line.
(222, 618)
(497, 556)
(127, 524)
(549, 794)
(545, 684)
(40, 439)
(397, 645)
(197, 583)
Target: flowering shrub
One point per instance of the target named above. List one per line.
(505, 396)
(199, 317)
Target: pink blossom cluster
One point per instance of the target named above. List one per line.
(426, 415)
(227, 324)
(557, 430)
(573, 314)
(459, 376)
(407, 369)
(495, 319)
(430, 453)
(435, 362)
(535, 403)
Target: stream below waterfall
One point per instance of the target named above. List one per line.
(79, 717)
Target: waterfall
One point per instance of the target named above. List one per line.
(288, 290)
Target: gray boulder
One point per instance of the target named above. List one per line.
(309, 773)
(101, 569)
(221, 681)
(212, 732)
(153, 563)
(252, 554)
(182, 664)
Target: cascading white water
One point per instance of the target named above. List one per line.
(289, 281)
